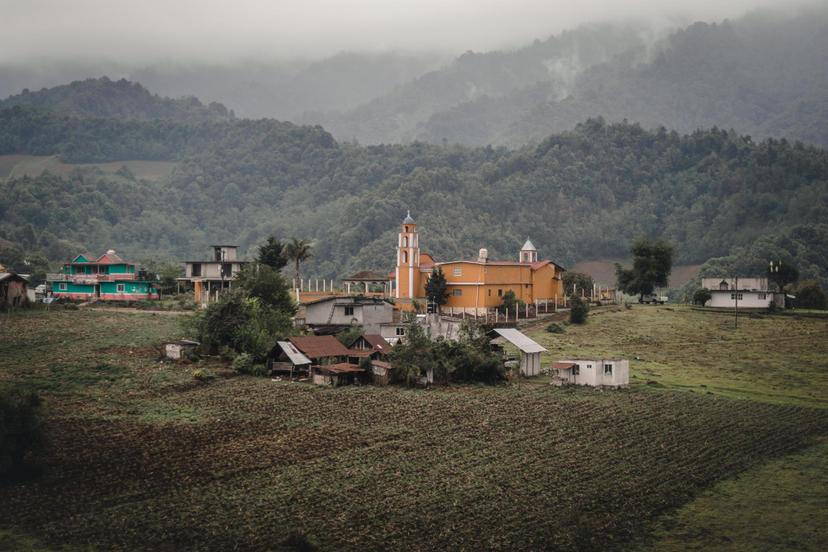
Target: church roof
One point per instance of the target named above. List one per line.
(408, 219)
(528, 246)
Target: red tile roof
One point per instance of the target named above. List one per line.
(110, 258)
(563, 365)
(319, 346)
(381, 364)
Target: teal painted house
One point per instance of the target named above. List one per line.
(107, 278)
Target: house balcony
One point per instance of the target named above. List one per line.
(89, 278)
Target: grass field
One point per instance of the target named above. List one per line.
(780, 359)
(144, 457)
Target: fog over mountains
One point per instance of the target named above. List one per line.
(763, 74)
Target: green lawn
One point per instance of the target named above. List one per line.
(779, 359)
(143, 457)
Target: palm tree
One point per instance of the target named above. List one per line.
(298, 251)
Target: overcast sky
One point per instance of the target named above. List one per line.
(188, 30)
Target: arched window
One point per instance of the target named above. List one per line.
(723, 285)
(405, 241)
(405, 256)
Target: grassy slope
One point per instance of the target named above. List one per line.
(779, 359)
(780, 505)
(144, 457)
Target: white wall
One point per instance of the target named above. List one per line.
(755, 284)
(591, 372)
(748, 299)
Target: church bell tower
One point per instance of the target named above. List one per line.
(408, 260)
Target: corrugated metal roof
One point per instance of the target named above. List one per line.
(520, 340)
(320, 346)
(294, 354)
(377, 342)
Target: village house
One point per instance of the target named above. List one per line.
(14, 289)
(333, 314)
(107, 278)
(750, 293)
(474, 286)
(529, 350)
(208, 277)
(179, 349)
(375, 344)
(434, 326)
(606, 372)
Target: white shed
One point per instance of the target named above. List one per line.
(530, 350)
(597, 372)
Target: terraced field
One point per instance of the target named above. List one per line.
(142, 457)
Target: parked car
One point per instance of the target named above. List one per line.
(653, 299)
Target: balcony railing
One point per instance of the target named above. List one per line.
(89, 278)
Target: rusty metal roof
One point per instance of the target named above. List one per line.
(340, 368)
(320, 346)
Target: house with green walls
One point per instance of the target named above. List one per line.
(107, 278)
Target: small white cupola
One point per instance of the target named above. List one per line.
(408, 219)
(528, 253)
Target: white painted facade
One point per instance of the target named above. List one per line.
(749, 293)
(596, 372)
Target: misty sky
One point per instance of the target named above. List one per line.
(190, 30)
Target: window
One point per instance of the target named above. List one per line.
(457, 292)
(763, 296)
(405, 242)
(500, 293)
(400, 331)
(62, 287)
(405, 256)
(457, 271)
(733, 296)
(576, 370)
(349, 311)
(490, 293)
(607, 369)
(589, 366)
(196, 269)
(119, 288)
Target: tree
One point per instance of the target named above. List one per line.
(782, 274)
(809, 295)
(272, 253)
(652, 262)
(298, 251)
(702, 296)
(578, 310)
(575, 282)
(350, 334)
(268, 285)
(510, 302)
(437, 289)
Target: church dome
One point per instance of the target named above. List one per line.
(408, 219)
(528, 246)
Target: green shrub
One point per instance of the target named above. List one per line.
(243, 363)
(202, 375)
(21, 430)
(701, 296)
(809, 295)
(578, 310)
(555, 328)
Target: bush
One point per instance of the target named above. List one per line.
(202, 375)
(555, 328)
(21, 430)
(243, 363)
(578, 310)
(701, 296)
(809, 295)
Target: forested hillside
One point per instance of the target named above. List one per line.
(764, 75)
(116, 99)
(580, 194)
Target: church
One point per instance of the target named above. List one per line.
(474, 285)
